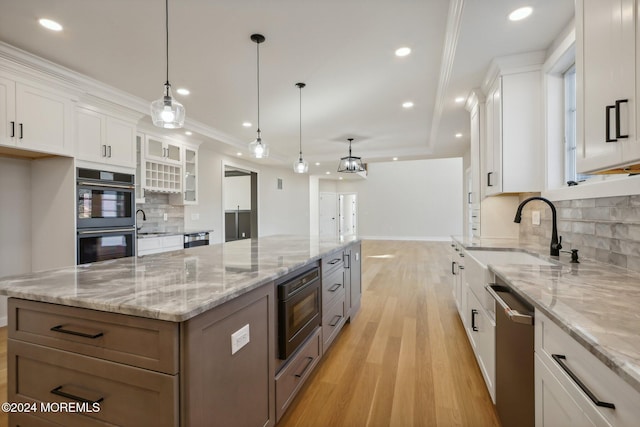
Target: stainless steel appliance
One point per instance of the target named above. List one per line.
(298, 309)
(105, 199)
(514, 358)
(192, 240)
(105, 210)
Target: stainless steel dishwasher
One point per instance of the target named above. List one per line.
(514, 358)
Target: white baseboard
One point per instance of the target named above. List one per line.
(410, 238)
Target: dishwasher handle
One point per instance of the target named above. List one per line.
(513, 315)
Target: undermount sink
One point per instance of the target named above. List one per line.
(507, 257)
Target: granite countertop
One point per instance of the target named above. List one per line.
(596, 303)
(173, 286)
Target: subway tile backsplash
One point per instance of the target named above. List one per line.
(154, 207)
(605, 229)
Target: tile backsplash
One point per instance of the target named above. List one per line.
(154, 207)
(605, 229)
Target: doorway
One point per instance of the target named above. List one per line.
(347, 214)
(240, 203)
(328, 214)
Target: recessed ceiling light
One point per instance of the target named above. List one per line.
(403, 51)
(460, 99)
(317, 163)
(183, 91)
(328, 173)
(238, 154)
(50, 25)
(246, 124)
(394, 159)
(340, 178)
(520, 14)
(407, 104)
(188, 132)
(458, 135)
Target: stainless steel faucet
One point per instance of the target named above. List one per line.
(556, 243)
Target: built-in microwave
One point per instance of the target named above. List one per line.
(105, 199)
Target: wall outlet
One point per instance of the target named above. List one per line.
(535, 217)
(165, 216)
(239, 339)
(195, 216)
(244, 234)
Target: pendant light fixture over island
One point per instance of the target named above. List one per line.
(350, 164)
(258, 148)
(300, 165)
(166, 112)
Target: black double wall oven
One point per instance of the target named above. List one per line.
(105, 215)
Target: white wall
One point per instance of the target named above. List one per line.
(237, 193)
(283, 211)
(409, 200)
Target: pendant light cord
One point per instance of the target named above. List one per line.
(300, 121)
(166, 16)
(258, 80)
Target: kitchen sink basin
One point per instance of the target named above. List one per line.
(507, 257)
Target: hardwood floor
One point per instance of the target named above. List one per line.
(404, 360)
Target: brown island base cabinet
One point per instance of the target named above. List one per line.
(112, 369)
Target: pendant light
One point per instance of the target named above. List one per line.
(300, 165)
(350, 164)
(166, 112)
(258, 148)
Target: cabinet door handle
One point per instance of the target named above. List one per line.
(309, 362)
(473, 320)
(58, 391)
(347, 261)
(489, 183)
(13, 129)
(335, 320)
(618, 103)
(109, 151)
(607, 123)
(104, 150)
(469, 198)
(453, 267)
(76, 333)
(559, 358)
(21, 131)
(335, 287)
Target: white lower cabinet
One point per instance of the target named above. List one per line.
(566, 374)
(156, 245)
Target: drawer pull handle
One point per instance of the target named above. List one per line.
(76, 333)
(335, 261)
(559, 360)
(335, 287)
(57, 391)
(309, 362)
(473, 320)
(335, 320)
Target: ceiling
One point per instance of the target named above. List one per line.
(342, 49)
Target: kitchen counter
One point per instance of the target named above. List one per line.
(159, 233)
(597, 304)
(173, 286)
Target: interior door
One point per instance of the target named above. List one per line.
(328, 214)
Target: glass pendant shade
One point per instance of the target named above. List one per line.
(166, 112)
(301, 166)
(258, 148)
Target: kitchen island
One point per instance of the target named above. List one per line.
(149, 339)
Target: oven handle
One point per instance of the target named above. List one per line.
(99, 184)
(106, 230)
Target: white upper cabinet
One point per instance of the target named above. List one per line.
(35, 119)
(606, 69)
(513, 150)
(164, 151)
(105, 139)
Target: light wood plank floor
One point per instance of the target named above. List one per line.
(403, 361)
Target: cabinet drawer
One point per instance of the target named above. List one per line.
(332, 262)
(332, 286)
(333, 319)
(173, 243)
(293, 376)
(600, 380)
(127, 396)
(146, 343)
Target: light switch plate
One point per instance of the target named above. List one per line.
(165, 216)
(239, 339)
(535, 217)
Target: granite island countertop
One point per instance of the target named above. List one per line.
(173, 286)
(596, 303)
